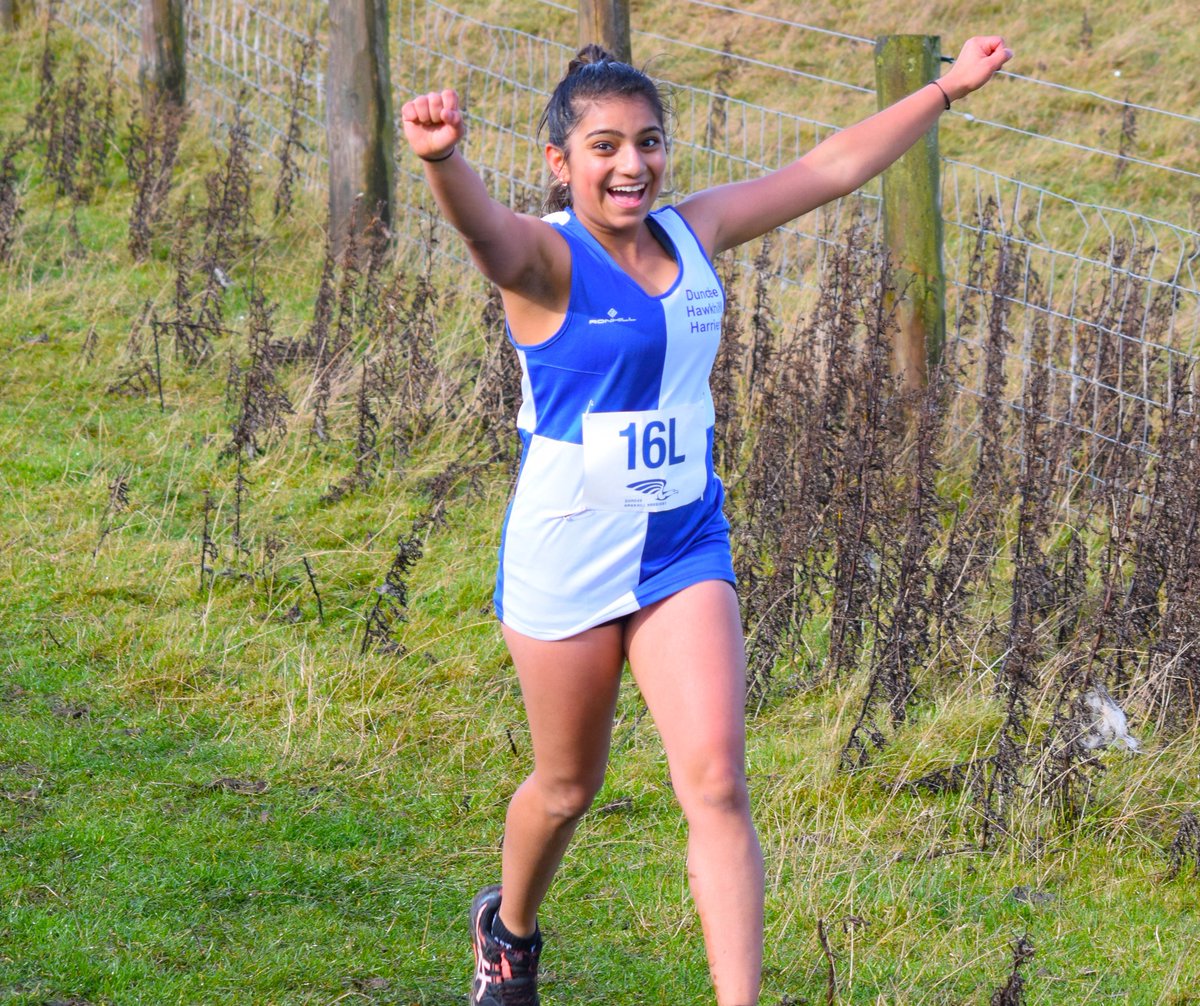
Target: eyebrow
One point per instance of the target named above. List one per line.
(616, 132)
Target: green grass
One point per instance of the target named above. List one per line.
(205, 801)
(1132, 53)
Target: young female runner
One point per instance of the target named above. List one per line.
(615, 547)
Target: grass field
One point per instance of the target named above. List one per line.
(1128, 53)
(210, 794)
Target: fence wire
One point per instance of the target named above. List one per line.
(248, 56)
(240, 56)
(1116, 293)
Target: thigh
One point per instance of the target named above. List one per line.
(688, 657)
(569, 687)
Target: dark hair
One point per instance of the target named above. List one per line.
(593, 74)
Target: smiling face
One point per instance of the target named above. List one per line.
(613, 162)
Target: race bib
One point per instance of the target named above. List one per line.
(654, 460)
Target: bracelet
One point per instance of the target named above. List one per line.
(450, 153)
(945, 96)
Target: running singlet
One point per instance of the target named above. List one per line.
(616, 504)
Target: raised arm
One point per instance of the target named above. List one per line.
(519, 253)
(729, 215)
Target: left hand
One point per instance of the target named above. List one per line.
(979, 59)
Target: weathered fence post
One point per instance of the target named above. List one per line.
(912, 212)
(606, 22)
(362, 135)
(162, 73)
(8, 15)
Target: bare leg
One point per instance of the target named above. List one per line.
(570, 692)
(688, 657)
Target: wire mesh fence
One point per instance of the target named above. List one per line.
(109, 25)
(242, 57)
(1116, 292)
(248, 56)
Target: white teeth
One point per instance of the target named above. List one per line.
(628, 188)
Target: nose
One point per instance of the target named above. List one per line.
(631, 160)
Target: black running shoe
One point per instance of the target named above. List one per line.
(503, 976)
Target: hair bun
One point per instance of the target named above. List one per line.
(589, 54)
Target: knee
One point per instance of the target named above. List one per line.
(714, 789)
(567, 799)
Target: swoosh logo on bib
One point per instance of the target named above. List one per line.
(653, 487)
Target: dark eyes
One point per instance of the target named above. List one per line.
(647, 143)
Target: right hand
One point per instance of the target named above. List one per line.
(978, 61)
(433, 123)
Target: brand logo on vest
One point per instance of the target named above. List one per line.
(653, 487)
(611, 319)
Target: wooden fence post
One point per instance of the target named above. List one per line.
(8, 15)
(362, 135)
(606, 22)
(912, 212)
(162, 71)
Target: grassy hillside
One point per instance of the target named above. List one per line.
(1128, 52)
(257, 725)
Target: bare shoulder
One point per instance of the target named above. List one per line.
(551, 268)
(700, 212)
(729, 215)
(533, 260)
(536, 300)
